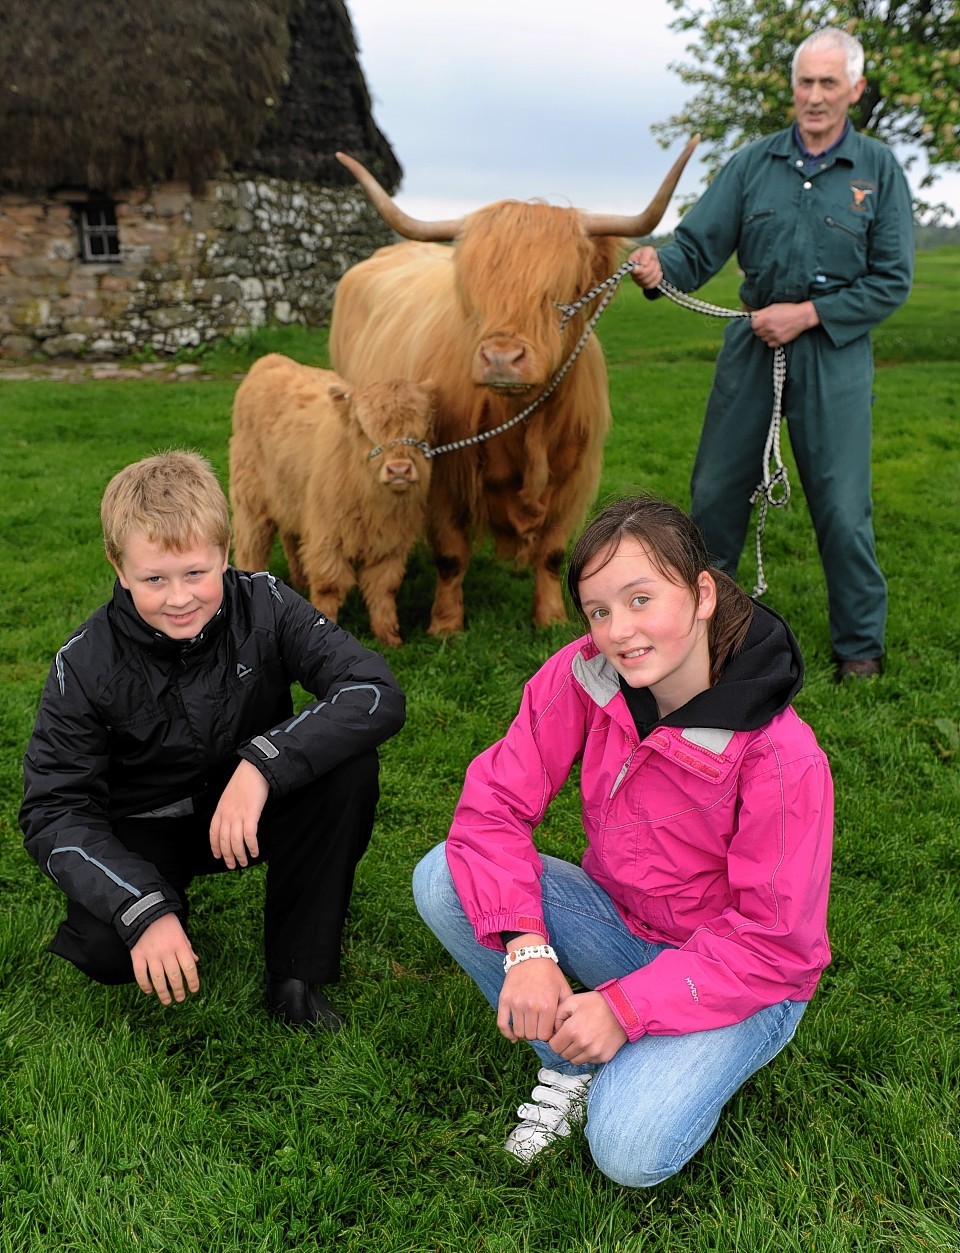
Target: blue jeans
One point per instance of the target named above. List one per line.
(654, 1104)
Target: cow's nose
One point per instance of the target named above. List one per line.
(501, 357)
(400, 470)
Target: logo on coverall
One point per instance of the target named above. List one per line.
(860, 193)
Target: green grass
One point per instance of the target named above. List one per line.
(205, 1126)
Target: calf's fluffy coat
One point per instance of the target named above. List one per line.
(300, 464)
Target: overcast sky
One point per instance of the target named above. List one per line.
(491, 99)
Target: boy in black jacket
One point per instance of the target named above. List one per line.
(166, 746)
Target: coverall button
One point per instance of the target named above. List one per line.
(807, 186)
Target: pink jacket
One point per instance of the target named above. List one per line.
(716, 842)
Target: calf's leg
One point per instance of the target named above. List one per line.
(380, 582)
(291, 549)
(328, 575)
(253, 533)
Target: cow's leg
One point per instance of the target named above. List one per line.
(379, 583)
(546, 558)
(451, 557)
(548, 606)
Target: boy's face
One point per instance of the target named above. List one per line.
(174, 592)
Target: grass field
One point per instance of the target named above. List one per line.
(207, 1127)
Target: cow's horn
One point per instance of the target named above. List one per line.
(408, 227)
(647, 221)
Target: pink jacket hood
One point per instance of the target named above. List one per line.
(716, 842)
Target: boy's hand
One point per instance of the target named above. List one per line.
(233, 828)
(162, 958)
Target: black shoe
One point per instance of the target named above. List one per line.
(300, 1004)
(859, 668)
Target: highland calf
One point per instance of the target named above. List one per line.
(339, 472)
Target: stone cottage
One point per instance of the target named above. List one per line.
(167, 172)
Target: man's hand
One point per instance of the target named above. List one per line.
(587, 1029)
(782, 323)
(532, 990)
(233, 828)
(163, 958)
(646, 272)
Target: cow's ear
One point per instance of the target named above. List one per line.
(341, 399)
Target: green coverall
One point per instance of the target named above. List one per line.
(840, 235)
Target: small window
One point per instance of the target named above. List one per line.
(97, 226)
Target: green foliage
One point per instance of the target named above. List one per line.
(741, 54)
(206, 1126)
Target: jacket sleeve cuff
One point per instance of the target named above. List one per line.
(133, 919)
(260, 752)
(489, 928)
(623, 1010)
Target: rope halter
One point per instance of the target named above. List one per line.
(409, 440)
(609, 287)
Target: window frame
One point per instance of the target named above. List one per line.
(106, 231)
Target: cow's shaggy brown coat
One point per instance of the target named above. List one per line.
(300, 464)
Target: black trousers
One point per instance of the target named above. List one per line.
(311, 842)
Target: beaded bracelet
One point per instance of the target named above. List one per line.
(526, 952)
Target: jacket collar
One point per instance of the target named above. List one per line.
(129, 623)
(787, 144)
(709, 752)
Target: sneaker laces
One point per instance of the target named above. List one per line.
(557, 1104)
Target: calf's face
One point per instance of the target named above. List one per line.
(391, 420)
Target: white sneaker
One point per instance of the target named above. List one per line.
(558, 1104)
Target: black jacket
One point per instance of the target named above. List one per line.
(755, 685)
(131, 721)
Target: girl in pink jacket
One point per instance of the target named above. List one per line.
(656, 977)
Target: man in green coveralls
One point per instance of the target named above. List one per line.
(821, 221)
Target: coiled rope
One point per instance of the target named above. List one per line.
(773, 490)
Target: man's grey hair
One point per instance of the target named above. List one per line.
(831, 37)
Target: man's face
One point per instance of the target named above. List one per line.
(822, 94)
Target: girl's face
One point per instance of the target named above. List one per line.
(652, 631)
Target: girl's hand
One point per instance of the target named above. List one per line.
(587, 1030)
(529, 998)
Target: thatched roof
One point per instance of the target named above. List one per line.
(112, 95)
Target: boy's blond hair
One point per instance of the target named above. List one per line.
(173, 498)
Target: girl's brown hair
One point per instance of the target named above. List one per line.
(675, 546)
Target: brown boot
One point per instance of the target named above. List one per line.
(858, 668)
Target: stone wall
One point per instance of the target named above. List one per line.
(192, 267)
